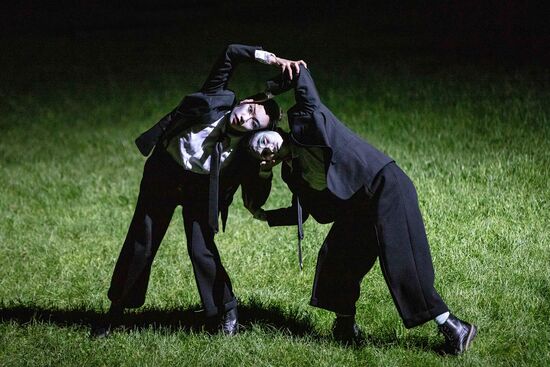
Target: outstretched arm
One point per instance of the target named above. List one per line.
(284, 216)
(233, 55)
(225, 65)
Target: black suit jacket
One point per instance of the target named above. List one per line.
(208, 104)
(351, 163)
(243, 171)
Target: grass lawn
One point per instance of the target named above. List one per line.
(474, 139)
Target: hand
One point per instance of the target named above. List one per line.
(289, 65)
(260, 215)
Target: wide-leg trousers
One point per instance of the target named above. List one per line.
(386, 223)
(164, 186)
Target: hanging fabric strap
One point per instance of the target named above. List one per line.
(213, 192)
(300, 232)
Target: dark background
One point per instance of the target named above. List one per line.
(489, 31)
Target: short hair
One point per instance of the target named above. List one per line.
(272, 110)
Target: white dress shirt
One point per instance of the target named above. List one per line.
(192, 148)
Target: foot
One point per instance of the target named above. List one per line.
(229, 324)
(458, 335)
(346, 331)
(102, 328)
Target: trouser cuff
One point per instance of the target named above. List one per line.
(423, 317)
(341, 309)
(213, 311)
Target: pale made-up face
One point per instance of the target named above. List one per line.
(266, 145)
(248, 117)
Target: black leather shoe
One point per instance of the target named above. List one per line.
(102, 328)
(229, 324)
(458, 335)
(346, 331)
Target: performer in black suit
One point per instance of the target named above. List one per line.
(338, 177)
(196, 164)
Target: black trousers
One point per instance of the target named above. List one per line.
(385, 223)
(164, 186)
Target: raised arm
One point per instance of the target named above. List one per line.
(225, 65)
(234, 54)
(305, 92)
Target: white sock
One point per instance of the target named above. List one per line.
(440, 320)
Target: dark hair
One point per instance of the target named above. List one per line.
(274, 112)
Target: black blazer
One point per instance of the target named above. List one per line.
(351, 162)
(208, 104)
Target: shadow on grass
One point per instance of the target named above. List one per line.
(171, 319)
(192, 320)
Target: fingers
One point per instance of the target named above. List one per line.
(290, 67)
(293, 67)
(297, 66)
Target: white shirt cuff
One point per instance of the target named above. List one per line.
(264, 57)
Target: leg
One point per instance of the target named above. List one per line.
(403, 248)
(152, 215)
(348, 253)
(155, 206)
(212, 279)
(133, 267)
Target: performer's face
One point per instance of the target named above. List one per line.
(248, 117)
(267, 145)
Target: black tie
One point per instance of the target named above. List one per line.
(213, 192)
(297, 171)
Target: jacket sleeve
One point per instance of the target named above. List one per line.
(305, 92)
(255, 188)
(225, 65)
(147, 140)
(285, 216)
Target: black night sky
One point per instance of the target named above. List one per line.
(494, 31)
